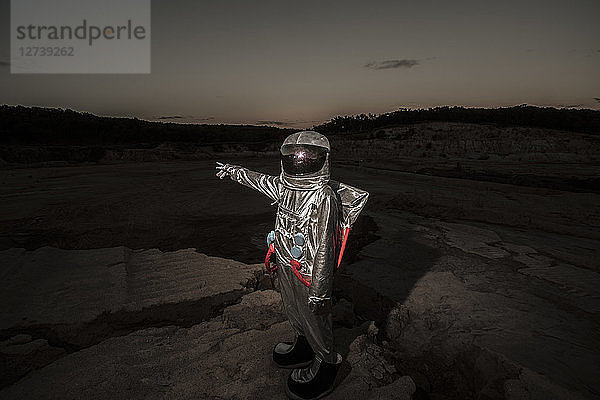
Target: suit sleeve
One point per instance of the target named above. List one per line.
(319, 294)
(265, 184)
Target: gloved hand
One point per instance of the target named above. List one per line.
(319, 306)
(224, 170)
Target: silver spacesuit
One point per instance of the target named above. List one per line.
(313, 216)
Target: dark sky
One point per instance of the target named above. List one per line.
(303, 62)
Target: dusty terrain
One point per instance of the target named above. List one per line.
(452, 288)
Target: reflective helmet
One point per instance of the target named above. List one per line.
(304, 153)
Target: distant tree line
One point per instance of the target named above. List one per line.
(52, 126)
(576, 120)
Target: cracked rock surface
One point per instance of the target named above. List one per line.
(226, 357)
(58, 301)
(486, 310)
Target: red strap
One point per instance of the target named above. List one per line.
(295, 268)
(268, 258)
(346, 232)
(296, 265)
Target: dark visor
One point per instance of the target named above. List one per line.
(303, 159)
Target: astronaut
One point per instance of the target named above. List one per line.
(314, 216)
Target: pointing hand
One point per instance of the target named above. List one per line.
(223, 170)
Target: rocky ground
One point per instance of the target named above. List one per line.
(116, 323)
(451, 288)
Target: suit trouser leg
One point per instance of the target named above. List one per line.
(317, 328)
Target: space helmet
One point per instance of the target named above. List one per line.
(304, 153)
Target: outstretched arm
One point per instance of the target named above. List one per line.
(266, 184)
(319, 293)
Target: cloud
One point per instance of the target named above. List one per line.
(392, 64)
